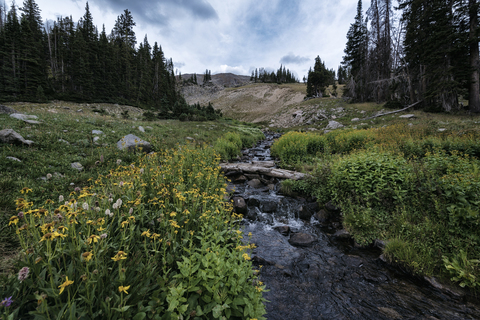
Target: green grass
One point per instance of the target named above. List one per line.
(413, 186)
(48, 155)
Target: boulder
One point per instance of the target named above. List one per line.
(97, 132)
(322, 216)
(332, 125)
(131, 143)
(11, 137)
(302, 239)
(284, 230)
(240, 205)
(307, 210)
(344, 234)
(255, 183)
(77, 165)
(407, 116)
(21, 116)
(7, 110)
(331, 207)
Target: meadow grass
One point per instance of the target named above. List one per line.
(131, 235)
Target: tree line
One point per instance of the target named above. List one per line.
(422, 50)
(282, 75)
(77, 62)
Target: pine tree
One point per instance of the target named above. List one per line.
(355, 57)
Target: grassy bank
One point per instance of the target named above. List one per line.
(151, 236)
(413, 186)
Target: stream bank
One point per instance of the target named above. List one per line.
(313, 270)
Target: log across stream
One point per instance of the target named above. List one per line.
(313, 271)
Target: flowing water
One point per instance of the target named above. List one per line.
(329, 277)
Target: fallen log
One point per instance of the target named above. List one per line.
(396, 111)
(256, 168)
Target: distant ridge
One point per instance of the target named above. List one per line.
(221, 79)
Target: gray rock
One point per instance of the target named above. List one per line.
(11, 137)
(148, 127)
(255, 183)
(7, 110)
(95, 139)
(441, 129)
(322, 216)
(61, 140)
(131, 143)
(355, 119)
(189, 138)
(32, 121)
(407, 116)
(380, 244)
(342, 234)
(141, 129)
(284, 230)
(14, 159)
(332, 125)
(240, 205)
(302, 239)
(97, 132)
(269, 206)
(77, 165)
(331, 207)
(21, 116)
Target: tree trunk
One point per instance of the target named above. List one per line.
(474, 90)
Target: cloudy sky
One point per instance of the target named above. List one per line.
(228, 35)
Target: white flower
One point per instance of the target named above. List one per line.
(108, 213)
(97, 209)
(85, 206)
(119, 161)
(142, 171)
(119, 203)
(60, 198)
(49, 176)
(120, 184)
(110, 199)
(115, 206)
(130, 211)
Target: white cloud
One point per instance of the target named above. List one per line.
(240, 70)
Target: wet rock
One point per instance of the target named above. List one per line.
(239, 205)
(252, 176)
(307, 210)
(331, 207)
(132, 143)
(381, 244)
(342, 234)
(269, 206)
(264, 164)
(255, 183)
(452, 291)
(11, 137)
(390, 313)
(240, 179)
(322, 216)
(302, 239)
(254, 202)
(284, 230)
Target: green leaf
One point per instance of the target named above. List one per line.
(140, 316)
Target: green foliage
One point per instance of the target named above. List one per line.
(463, 270)
(153, 239)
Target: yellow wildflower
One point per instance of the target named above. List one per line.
(155, 236)
(26, 190)
(124, 223)
(246, 256)
(13, 220)
(64, 285)
(120, 256)
(87, 256)
(123, 289)
(146, 233)
(93, 238)
(131, 218)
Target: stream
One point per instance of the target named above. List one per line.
(313, 270)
